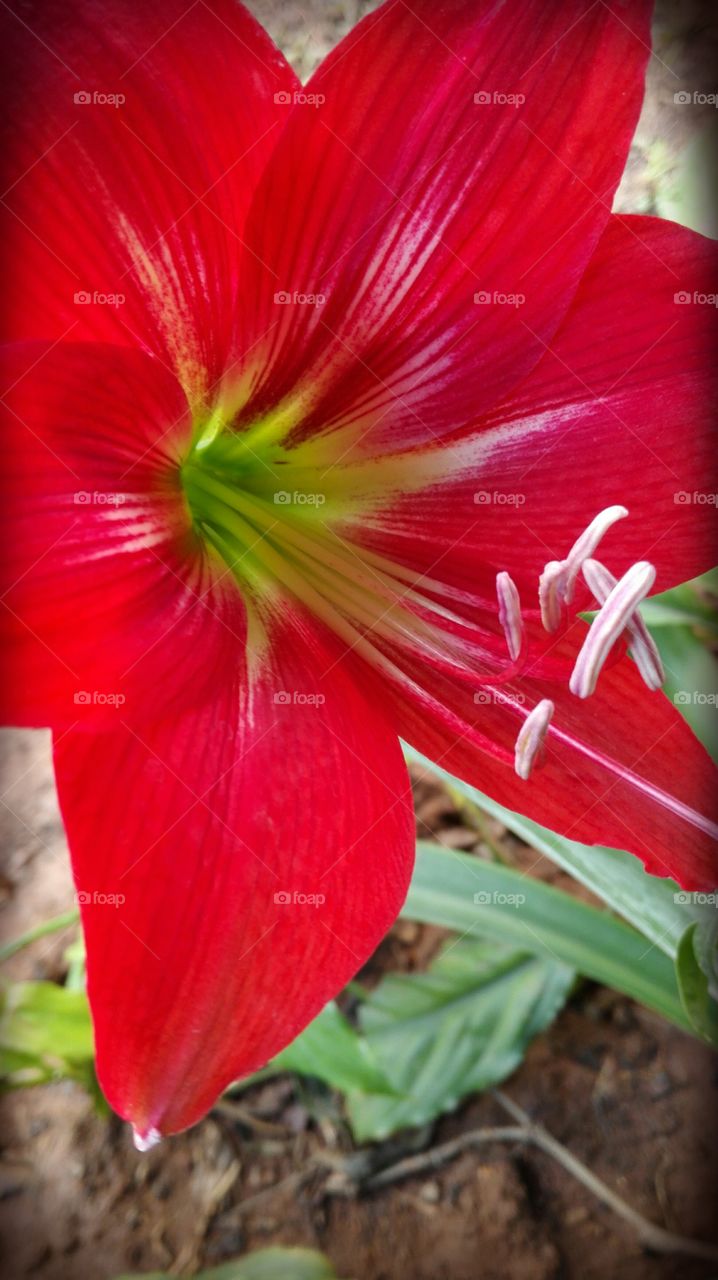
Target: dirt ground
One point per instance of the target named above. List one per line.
(636, 1100)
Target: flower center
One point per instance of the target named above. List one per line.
(274, 530)
(277, 535)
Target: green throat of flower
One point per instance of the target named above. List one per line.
(247, 517)
(277, 535)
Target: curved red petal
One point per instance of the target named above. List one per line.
(137, 134)
(258, 849)
(109, 604)
(441, 154)
(621, 410)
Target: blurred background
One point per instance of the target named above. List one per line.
(288, 1161)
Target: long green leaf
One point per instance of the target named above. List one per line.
(656, 906)
(470, 895)
(63, 921)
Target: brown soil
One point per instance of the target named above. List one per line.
(632, 1097)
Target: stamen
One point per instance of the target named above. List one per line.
(551, 594)
(643, 648)
(531, 737)
(558, 580)
(510, 613)
(585, 546)
(146, 1141)
(609, 624)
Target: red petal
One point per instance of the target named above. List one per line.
(399, 197)
(110, 605)
(620, 410)
(620, 769)
(205, 824)
(144, 199)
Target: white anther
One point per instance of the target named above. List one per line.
(586, 544)
(558, 580)
(510, 613)
(551, 594)
(610, 622)
(531, 737)
(146, 1141)
(642, 646)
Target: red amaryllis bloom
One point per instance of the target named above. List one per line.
(325, 406)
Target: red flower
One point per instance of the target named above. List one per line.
(305, 378)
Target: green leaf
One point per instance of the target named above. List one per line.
(45, 1034)
(468, 894)
(264, 1264)
(330, 1049)
(691, 681)
(656, 906)
(693, 985)
(462, 1026)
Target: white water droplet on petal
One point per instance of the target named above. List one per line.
(146, 1141)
